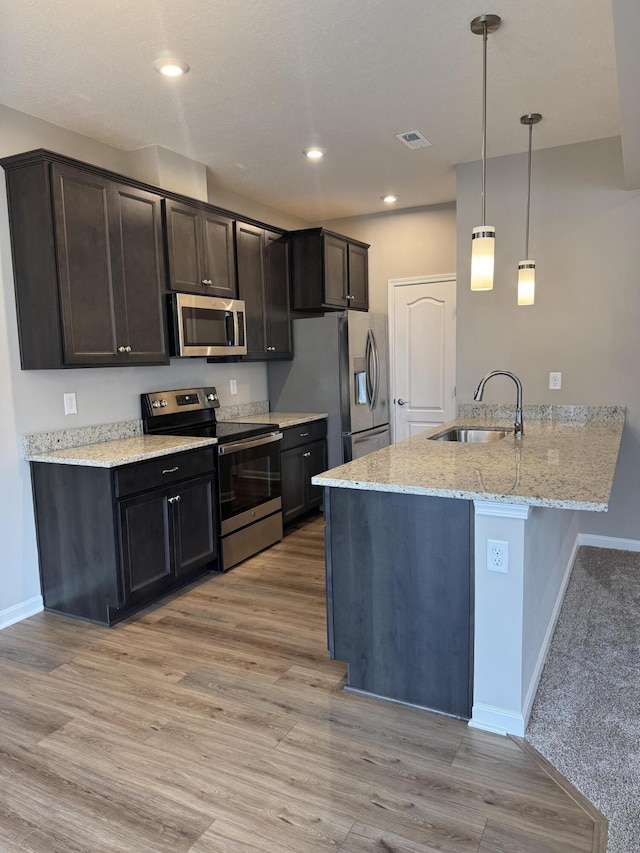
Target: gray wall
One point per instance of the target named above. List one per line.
(32, 400)
(586, 319)
(404, 243)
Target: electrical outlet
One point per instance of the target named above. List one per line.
(233, 387)
(555, 381)
(497, 556)
(70, 405)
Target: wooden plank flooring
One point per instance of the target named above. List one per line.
(215, 721)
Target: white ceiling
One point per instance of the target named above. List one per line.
(270, 77)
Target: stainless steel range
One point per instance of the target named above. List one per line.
(249, 487)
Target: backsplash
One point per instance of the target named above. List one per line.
(43, 442)
(542, 412)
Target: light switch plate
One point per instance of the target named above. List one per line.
(233, 387)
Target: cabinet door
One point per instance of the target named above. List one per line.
(251, 286)
(196, 533)
(358, 278)
(335, 271)
(277, 308)
(89, 303)
(315, 462)
(138, 269)
(183, 228)
(145, 528)
(293, 484)
(218, 265)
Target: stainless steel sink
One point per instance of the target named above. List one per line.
(471, 434)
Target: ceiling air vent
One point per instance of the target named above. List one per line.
(413, 139)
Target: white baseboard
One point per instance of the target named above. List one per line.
(544, 649)
(592, 540)
(14, 614)
(496, 720)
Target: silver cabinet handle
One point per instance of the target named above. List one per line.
(401, 402)
(170, 470)
(127, 349)
(307, 454)
(207, 282)
(174, 499)
(350, 297)
(304, 434)
(121, 349)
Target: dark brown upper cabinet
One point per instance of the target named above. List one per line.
(328, 271)
(200, 250)
(263, 283)
(88, 265)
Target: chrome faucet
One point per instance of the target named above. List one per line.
(518, 427)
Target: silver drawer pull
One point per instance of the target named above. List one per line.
(170, 470)
(304, 434)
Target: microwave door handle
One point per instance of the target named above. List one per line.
(231, 327)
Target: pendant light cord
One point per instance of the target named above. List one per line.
(526, 243)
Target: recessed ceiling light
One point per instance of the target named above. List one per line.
(315, 153)
(389, 199)
(171, 67)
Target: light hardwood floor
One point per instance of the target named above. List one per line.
(215, 721)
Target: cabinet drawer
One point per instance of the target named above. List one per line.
(303, 434)
(163, 470)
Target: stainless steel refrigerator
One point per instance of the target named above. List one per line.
(340, 366)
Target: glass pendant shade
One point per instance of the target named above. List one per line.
(526, 282)
(483, 241)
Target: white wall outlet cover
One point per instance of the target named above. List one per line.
(555, 381)
(70, 404)
(497, 556)
(233, 387)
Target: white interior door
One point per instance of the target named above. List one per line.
(423, 353)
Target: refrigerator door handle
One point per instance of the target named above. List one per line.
(368, 355)
(373, 370)
(376, 371)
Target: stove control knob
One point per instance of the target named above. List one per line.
(163, 403)
(212, 397)
(155, 404)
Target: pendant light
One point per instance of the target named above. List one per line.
(527, 268)
(483, 238)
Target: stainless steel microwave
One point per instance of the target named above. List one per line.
(206, 326)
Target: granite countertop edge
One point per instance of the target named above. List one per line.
(284, 419)
(118, 452)
(543, 471)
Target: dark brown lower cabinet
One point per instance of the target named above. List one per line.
(113, 540)
(400, 597)
(303, 455)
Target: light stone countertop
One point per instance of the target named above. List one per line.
(111, 454)
(284, 419)
(565, 464)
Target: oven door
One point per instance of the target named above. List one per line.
(249, 477)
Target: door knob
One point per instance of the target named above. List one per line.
(401, 402)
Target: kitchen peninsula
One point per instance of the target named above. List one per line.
(417, 605)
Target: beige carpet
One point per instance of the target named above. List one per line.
(586, 716)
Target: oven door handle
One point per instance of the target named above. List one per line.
(234, 447)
